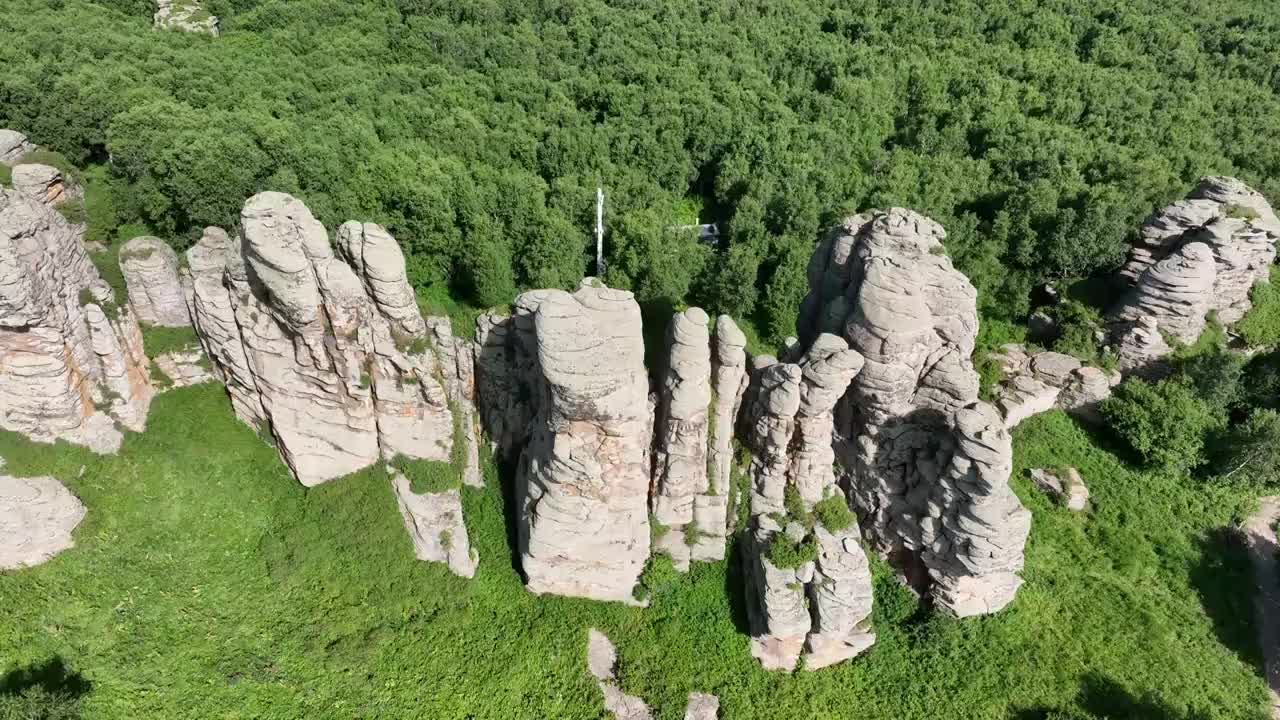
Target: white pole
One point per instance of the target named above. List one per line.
(599, 232)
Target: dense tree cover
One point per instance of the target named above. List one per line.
(1039, 133)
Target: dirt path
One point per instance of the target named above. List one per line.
(1262, 551)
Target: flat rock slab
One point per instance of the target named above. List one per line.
(37, 516)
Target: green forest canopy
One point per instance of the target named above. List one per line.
(1039, 133)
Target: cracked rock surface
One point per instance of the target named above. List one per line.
(150, 268)
(928, 465)
(13, 146)
(435, 526)
(1200, 254)
(68, 369)
(583, 480)
(320, 352)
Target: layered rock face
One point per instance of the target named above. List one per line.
(150, 270)
(184, 15)
(330, 355)
(37, 516)
(67, 368)
(45, 184)
(1200, 254)
(583, 481)
(1040, 381)
(729, 385)
(816, 602)
(680, 435)
(928, 465)
(13, 146)
(434, 523)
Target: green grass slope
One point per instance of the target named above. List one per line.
(205, 583)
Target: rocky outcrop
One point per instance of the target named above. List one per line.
(1198, 255)
(928, 465)
(583, 480)
(729, 384)
(150, 270)
(184, 15)
(434, 523)
(67, 369)
(602, 663)
(1065, 485)
(45, 184)
(1034, 382)
(1174, 297)
(680, 434)
(37, 517)
(457, 367)
(809, 585)
(13, 147)
(183, 368)
(324, 354)
(972, 546)
(210, 261)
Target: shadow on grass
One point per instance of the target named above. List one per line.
(47, 690)
(735, 586)
(1223, 577)
(1103, 698)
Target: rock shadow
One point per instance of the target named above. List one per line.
(1223, 578)
(1102, 698)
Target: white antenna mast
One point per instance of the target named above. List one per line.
(599, 232)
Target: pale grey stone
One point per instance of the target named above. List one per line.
(37, 517)
(702, 706)
(434, 523)
(184, 15)
(45, 184)
(583, 481)
(13, 146)
(905, 433)
(150, 268)
(66, 369)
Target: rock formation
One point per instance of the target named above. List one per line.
(583, 480)
(67, 368)
(37, 516)
(434, 523)
(680, 434)
(928, 465)
(1198, 255)
(183, 368)
(1040, 381)
(729, 384)
(1065, 485)
(809, 585)
(150, 269)
(326, 355)
(13, 146)
(45, 184)
(184, 15)
(602, 663)
(457, 362)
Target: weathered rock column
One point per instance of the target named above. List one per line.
(331, 357)
(729, 383)
(150, 270)
(583, 479)
(921, 459)
(66, 369)
(680, 438)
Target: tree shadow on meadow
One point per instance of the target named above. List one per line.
(47, 690)
(1102, 698)
(1223, 578)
